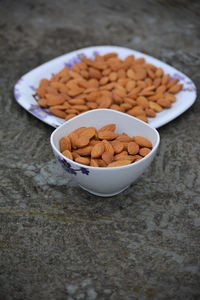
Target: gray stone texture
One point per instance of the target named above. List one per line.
(60, 242)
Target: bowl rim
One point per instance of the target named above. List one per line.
(100, 169)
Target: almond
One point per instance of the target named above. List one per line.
(108, 127)
(142, 141)
(42, 102)
(108, 147)
(118, 163)
(76, 101)
(159, 72)
(107, 157)
(175, 89)
(68, 154)
(142, 101)
(94, 162)
(54, 99)
(170, 97)
(123, 153)
(133, 148)
(97, 150)
(144, 151)
(107, 135)
(80, 107)
(104, 80)
(123, 138)
(104, 102)
(155, 106)
(85, 151)
(82, 160)
(70, 116)
(136, 111)
(150, 112)
(65, 144)
(165, 79)
(89, 132)
(117, 146)
(80, 130)
(125, 157)
(82, 141)
(94, 73)
(92, 105)
(73, 138)
(164, 103)
(172, 83)
(102, 163)
(57, 112)
(142, 118)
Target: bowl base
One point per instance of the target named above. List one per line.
(103, 194)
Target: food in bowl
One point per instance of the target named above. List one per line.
(104, 181)
(104, 147)
(132, 86)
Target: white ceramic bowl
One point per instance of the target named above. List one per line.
(105, 182)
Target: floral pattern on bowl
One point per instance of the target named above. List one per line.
(67, 167)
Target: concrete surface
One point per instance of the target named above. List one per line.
(56, 240)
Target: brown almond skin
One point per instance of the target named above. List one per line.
(42, 102)
(65, 144)
(82, 160)
(107, 157)
(102, 163)
(85, 151)
(164, 103)
(123, 138)
(119, 163)
(82, 141)
(109, 127)
(142, 101)
(73, 138)
(54, 99)
(89, 132)
(172, 83)
(117, 146)
(137, 157)
(77, 101)
(150, 112)
(133, 148)
(70, 116)
(97, 150)
(142, 141)
(170, 97)
(94, 163)
(123, 153)
(155, 106)
(57, 112)
(144, 151)
(68, 154)
(175, 89)
(79, 130)
(165, 79)
(107, 135)
(142, 118)
(108, 147)
(125, 157)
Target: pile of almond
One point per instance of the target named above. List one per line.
(103, 147)
(132, 86)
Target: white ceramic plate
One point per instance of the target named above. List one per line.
(27, 84)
